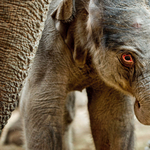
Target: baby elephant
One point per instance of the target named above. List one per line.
(100, 45)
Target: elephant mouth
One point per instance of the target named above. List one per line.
(142, 112)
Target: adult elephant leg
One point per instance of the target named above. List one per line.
(111, 117)
(21, 26)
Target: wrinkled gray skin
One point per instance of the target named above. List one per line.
(82, 47)
(13, 131)
(21, 26)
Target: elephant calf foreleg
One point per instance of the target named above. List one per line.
(43, 117)
(111, 118)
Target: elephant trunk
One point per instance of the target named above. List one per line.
(142, 103)
(142, 112)
(21, 25)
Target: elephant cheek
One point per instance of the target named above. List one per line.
(142, 112)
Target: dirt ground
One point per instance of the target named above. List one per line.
(142, 135)
(81, 130)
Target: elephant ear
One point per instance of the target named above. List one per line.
(65, 11)
(80, 55)
(62, 15)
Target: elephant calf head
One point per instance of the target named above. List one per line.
(122, 59)
(116, 35)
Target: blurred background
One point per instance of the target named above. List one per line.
(81, 129)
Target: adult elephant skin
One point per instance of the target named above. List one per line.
(21, 25)
(99, 45)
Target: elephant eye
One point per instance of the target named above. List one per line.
(127, 60)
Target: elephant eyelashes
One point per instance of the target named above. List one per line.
(127, 60)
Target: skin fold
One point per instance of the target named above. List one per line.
(101, 45)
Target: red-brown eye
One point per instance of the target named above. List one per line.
(127, 60)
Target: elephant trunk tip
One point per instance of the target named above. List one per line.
(142, 112)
